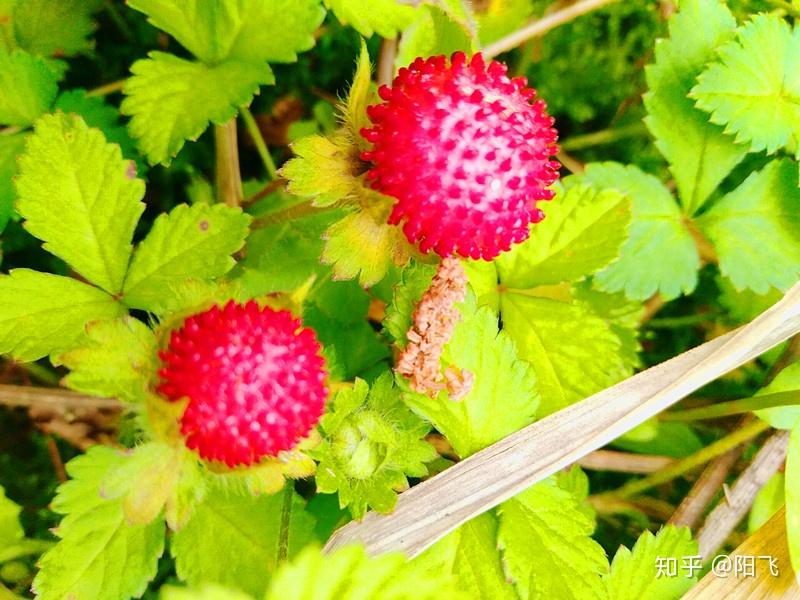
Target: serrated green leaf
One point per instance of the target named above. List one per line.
(190, 242)
(10, 529)
(364, 245)
(118, 359)
(323, 169)
(470, 554)
(348, 574)
(699, 153)
(46, 314)
(433, 32)
(79, 196)
(206, 592)
(248, 30)
(337, 311)
(248, 526)
(574, 353)
(767, 502)
(659, 255)
(54, 28)
(96, 113)
(416, 278)
(782, 417)
(371, 443)
(28, 87)
(756, 229)
(384, 17)
(744, 305)
(582, 233)
(793, 497)
(754, 89)
(11, 147)
(503, 396)
(99, 556)
(634, 573)
(548, 520)
(171, 100)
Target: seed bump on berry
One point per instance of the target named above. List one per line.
(465, 151)
(253, 378)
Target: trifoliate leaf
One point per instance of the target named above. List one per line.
(660, 255)
(583, 232)
(470, 555)
(349, 574)
(96, 113)
(634, 573)
(767, 502)
(782, 417)
(547, 521)
(384, 17)
(10, 529)
(699, 153)
(793, 497)
(753, 90)
(249, 30)
(171, 100)
(257, 530)
(371, 443)
(46, 314)
(337, 311)
(99, 555)
(54, 28)
(28, 87)
(11, 147)
(756, 229)
(117, 359)
(364, 245)
(574, 352)
(80, 197)
(205, 592)
(323, 169)
(190, 242)
(497, 18)
(503, 396)
(433, 32)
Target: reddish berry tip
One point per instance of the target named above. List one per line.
(253, 377)
(465, 150)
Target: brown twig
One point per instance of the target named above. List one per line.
(385, 69)
(624, 462)
(734, 506)
(53, 398)
(543, 25)
(55, 457)
(706, 487)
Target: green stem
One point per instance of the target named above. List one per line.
(734, 407)
(689, 463)
(286, 519)
(109, 88)
(258, 140)
(678, 322)
(116, 17)
(289, 214)
(606, 136)
(42, 373)
(229, 178)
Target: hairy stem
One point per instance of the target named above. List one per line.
(605, 136)
(543, 25)
(689, 463)
(258, 140)
(734, 407)
(289, 214)
(286, 519)
(386, 61)
(229, 178)
(108, 88)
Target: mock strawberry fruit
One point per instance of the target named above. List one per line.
(466, 152)
(254, 380)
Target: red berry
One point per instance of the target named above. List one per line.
(253, 377)
(465, 153)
